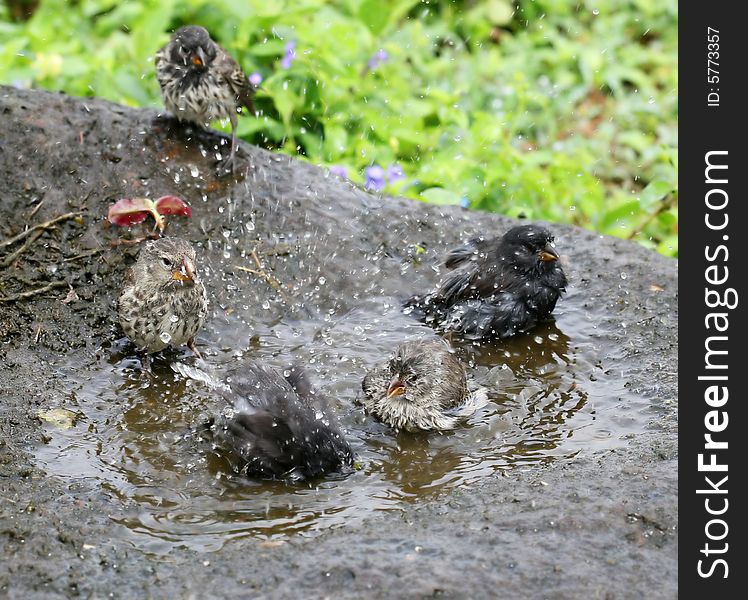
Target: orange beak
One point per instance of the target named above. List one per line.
(548, 253)
(198, 58)
(396, 388)
(186, 272)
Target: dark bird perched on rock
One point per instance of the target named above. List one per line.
(499, 287)
(163, 302)
(423, 387)
(276, 427)
(201, 82)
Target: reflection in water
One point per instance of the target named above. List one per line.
(143, 436)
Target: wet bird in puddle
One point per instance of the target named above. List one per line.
(276, 427)
(423, 386)
(499, 287)
(163, 302)
(200, 82)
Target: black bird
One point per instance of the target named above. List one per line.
(200, 82)
(499, 287)
(276, 427)
(422, 387)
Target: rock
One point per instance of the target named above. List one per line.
(289, 243)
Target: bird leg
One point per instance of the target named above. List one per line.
(228, 165)
(192, 346)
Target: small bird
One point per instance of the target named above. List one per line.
(163, 302)
(201, 82)
(423, 387)
(499, 287)
(276, 427)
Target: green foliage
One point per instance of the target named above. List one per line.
(549, 109)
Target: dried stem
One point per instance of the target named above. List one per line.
(45, 225)
(8, 260)
(261, 272)
(35, 292)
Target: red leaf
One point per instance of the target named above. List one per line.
(172, 205)
(130, 211)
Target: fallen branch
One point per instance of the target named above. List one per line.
(45, 225)
(8, 260)
(31, 293)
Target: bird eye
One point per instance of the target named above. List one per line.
(183, 50)
(166, 262)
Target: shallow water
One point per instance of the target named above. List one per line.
(552, 396)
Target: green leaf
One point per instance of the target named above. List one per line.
(374, 15)
(436, 195)
(654, 193)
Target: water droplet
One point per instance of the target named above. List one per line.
(623, 275)
(266, 305)
(595, 11)
(322, 281)
(173, 318)
(194, 171)
(165, 337)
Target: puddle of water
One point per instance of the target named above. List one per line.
(139, 437)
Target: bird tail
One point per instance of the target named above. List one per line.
(246, 100)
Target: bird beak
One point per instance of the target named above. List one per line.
(186, 272)
(396, 388)
(198, 58)
(548, 253)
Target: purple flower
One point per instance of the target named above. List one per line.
(340, 171)
(464, 202)
(289, 56)
(378, 58)
(255, 79)
(395, 173)
(375, 178)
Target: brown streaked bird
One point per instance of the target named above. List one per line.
(498, 287)
(422, 387)
(200, 82)
(163, 302)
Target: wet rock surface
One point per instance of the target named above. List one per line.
(600, 523)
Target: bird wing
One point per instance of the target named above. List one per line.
(129, 278)
(458, 256)
(237, 80)
(476, 274)
(477, 319)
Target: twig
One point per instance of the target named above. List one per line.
(31, 293)
(11, 257)
(261, 272)
(83, 255)
(36, 209)
(667, 203)
(45, 225)
(153, 235)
